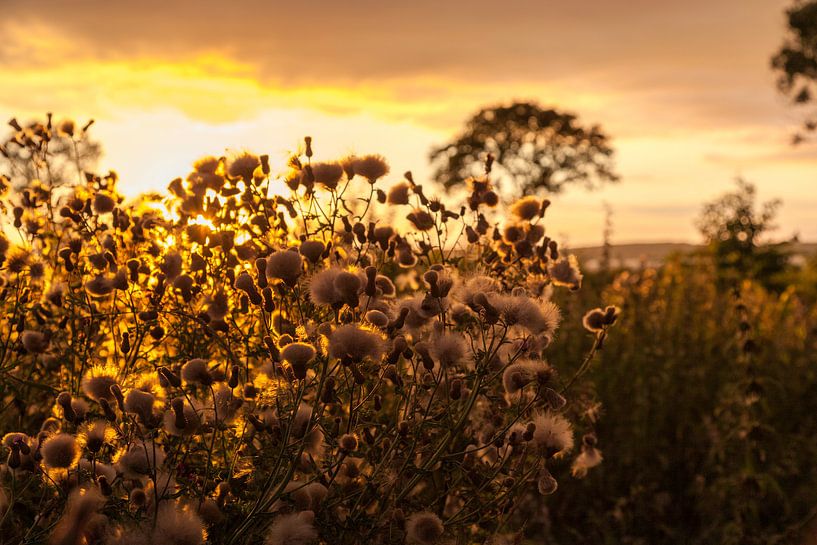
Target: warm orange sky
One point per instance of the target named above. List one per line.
(684, 88)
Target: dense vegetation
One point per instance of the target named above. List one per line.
(708, 401)
(260, 357)
(281, 358)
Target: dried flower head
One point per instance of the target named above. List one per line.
(60, 451)
(354, 343)
(97, 383)
(424, 528)
(35, 342)
(243, 166)
(298, 355)
(293, 529)
(178, 525)
(399, 193)
(197, 371)
(553, 435)
(327, 174)
(526, 208)
(284, 265)
(565, 272)
(370, 167)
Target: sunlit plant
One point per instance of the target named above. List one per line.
(345, 361)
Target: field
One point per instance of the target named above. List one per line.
(408, 273)
(225, 362)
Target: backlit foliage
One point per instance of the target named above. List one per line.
(294, 357)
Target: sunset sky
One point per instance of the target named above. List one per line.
(683, 87)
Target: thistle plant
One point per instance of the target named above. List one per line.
(297, 357)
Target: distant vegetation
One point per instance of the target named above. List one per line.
(796, 63)
(533, 150)
(708, 397)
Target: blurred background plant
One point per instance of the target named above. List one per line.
(707, 404)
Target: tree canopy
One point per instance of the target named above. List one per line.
(534, 149)
(734, 227)
(796, 61)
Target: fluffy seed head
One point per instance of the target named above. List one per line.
(312, 250)
(284, 265)
(97, 383)
(553, 435)
(298, 355)
(103, 203)
(348, 442)
(594, 320)
(589, 458)
(197, 370)
(140, 460)
(424, 528)
(538, 317)
(35, 342)
(78, 519)
(565, 272)
(377, 318)
(526, 208)
(243, 166)
(60, 451)
(140, 403)
(347, 285)
(370, 167)
(99, 286)
(308, 497)
(421, 219)
(449, 349)
(399, 193)
(322, 287)
(327, 174)
(355, 343)
(293, 529)
(178, 525)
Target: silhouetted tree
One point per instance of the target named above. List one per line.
(733, 227)
(796, 61)
(534, 149)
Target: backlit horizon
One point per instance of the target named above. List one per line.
(171, 83)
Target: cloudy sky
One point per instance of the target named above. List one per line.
(683, 87)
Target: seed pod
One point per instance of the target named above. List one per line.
(64, 401)
(180, 421)
(234, 375)
(138, 498)
(170, 377)
(14, 460)
(269, 303)
(261, 272)
(107, 409)
(371, 285)
(104, 486)
(117, 394)
(456, 389)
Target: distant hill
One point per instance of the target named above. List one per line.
(652, 254)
